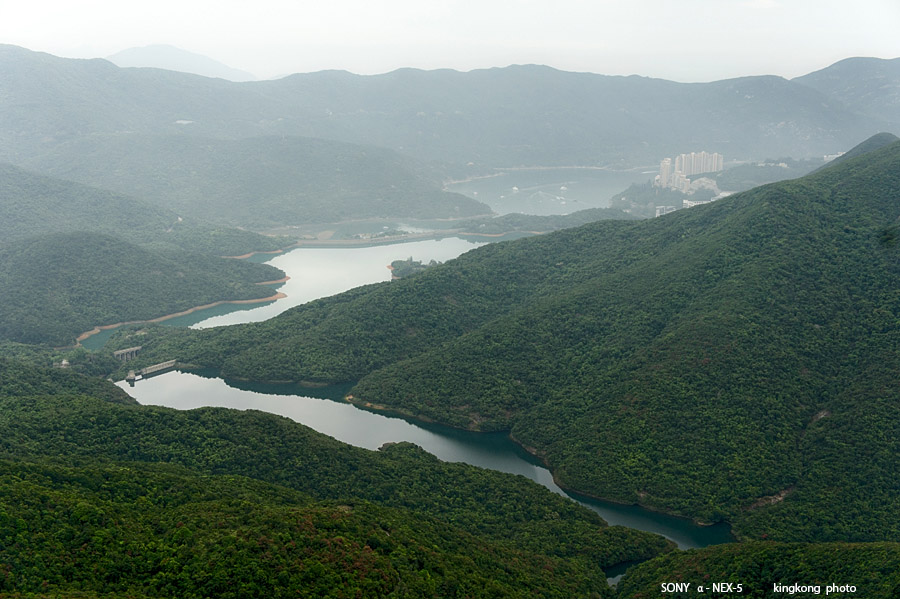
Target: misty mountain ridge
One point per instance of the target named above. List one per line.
(170, 58)
(518, 115)
(870, 85)
(259, 182)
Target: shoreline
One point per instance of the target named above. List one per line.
(284, 279)
(249, 254)
(106, 327)
(536, 454)
(438, 234)
(376, 241)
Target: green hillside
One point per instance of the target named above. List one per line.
(258, 182)
(54, 287)
(870, 85)
(33, 204)
(876, 142)
(872, 569)
(106, 498)
(538, 223)
(732, 361)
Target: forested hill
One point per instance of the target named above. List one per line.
(258, 182)
(206, 148)
(873, 568)
(103, 498)
(33, 204)
(876, 142)
(731, 361)
(870, 85)
(55, 286)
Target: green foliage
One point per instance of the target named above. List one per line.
(32, 204)
(100, 495)
(276, 450)
(18, 378)
(56, 286)
(541, 224)
(409, 267)
(732, 361)
(193, 236)
(873, 568)
(748, 176)
(641, 200)
(145, 530)
(259, 182)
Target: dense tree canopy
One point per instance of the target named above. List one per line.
(101, 495)
(54, 287)
(731, 361)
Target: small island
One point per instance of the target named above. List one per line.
(404, 268)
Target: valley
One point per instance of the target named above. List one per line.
(581, 382)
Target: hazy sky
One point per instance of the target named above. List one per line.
(683, 40)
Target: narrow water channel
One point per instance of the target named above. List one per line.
(328, 414)
(321, 272)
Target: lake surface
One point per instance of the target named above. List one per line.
(314, 273)
(549, 190)
(321, 272)
(328, 414)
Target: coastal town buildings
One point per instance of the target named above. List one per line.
(675, 174)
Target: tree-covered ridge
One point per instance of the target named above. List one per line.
(33, 204)
(876, 142)
(142, 530)
(538, 223)
(870, 85)
(279, 451)
(873, 569)
(732, 361)
(161, 502)
(524, 114)
(259, 182)
(18, 378)
(54, 287)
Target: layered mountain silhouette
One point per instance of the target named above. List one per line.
(164, 56)
(497, 117)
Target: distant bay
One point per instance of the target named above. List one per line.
(545, 191)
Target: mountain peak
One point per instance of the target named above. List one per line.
(170, 58)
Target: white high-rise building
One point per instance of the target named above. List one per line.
(665, 172)
(699, 162)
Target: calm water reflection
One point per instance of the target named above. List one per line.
(327, 414)
(316, 273)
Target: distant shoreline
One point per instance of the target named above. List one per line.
(249, 254)
(106, 327)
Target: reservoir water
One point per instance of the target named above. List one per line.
(544, 191)
(315, 272)
(327, 414)
(320, 272)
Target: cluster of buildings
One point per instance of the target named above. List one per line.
(675, 174)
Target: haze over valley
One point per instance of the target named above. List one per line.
(482, 331)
